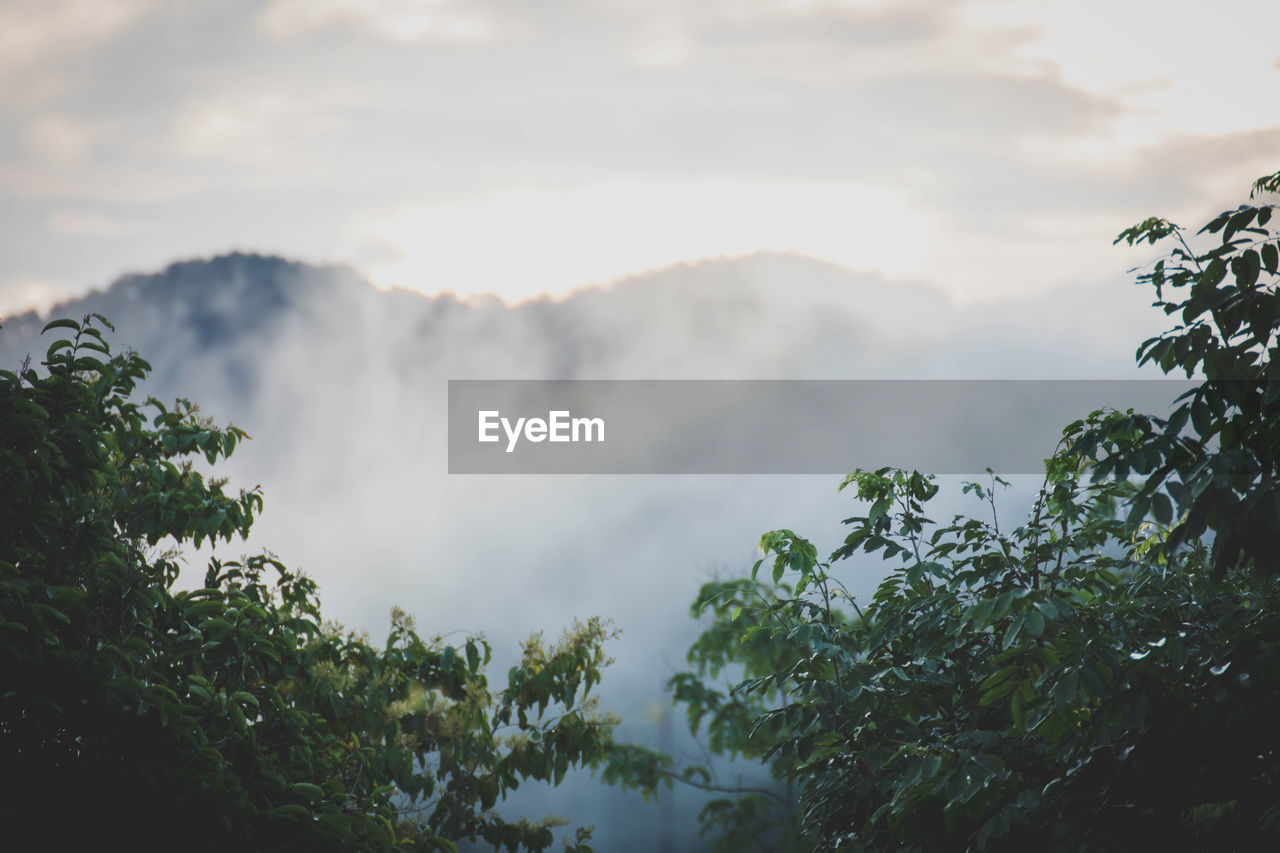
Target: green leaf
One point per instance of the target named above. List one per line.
(1270, 257)
(309, 790)
(1064, 691)
(1213, 274)
(1033, 619)
(1161, 508)
(60, 324)
(1011, 633)
(1246, 268)
(290, 810)
(995, 694)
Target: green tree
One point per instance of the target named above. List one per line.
(1225, 471)
(744, 810)
(229, 716)
(1104, 675)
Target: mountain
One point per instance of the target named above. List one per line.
(343, 388)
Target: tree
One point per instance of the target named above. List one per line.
(1103, 676)
(230, 716)
(744, 813)
(1226, 300)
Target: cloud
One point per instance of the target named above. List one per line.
(265, 127)
(990, 149)
(30, 294)
(40, 35)
(344, 391)
(397, 21)
(1182, 67)
(63, 141)
(827, 43)
(116, 181)
(84, 223)
(520, 243)
(335, 131)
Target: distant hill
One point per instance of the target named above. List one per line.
(761, 316)
(342, 387)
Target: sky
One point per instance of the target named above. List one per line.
(992, 149)
(986, 151)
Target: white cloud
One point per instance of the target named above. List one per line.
(38, 32)
(400, 21)
(1180, 67)
(522, 243)
(136, 184)
(649, 131)
(62, 140)
(664, 43)
(83, 223)
(265, 127)
(756, 12)
(27, 294)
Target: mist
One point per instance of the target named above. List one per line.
(343, 390)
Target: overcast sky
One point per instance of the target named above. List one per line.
(537, 147)
(985, 149)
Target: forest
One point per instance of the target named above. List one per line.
(1102, 674)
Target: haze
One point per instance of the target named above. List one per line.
(652, 189)
(992, 148)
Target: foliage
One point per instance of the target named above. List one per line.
(745, 810)
(1104, 676)
(1228, 310)
(229, 716)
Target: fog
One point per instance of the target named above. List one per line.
(343, 390)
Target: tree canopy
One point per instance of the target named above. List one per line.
(1103, 675)
(230, 716)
